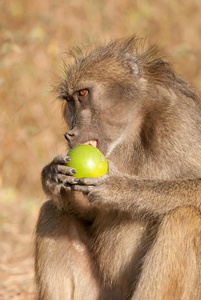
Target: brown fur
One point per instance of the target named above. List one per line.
(136, 232)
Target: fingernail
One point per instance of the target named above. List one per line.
(73, 171)
(76, 180)
(67, 159)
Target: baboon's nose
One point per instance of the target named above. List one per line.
(69, 134)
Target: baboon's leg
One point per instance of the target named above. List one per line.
(172, 267)
(64, 268)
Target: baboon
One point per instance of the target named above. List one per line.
(134, 233)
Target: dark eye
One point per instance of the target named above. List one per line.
(69, 98)
(83, 93)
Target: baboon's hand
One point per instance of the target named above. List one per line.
(99, 189)
(57, 176)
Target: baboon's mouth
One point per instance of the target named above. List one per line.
(93, 143)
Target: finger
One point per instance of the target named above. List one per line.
(67, 180)
(82, 188)
(65, 170)
(61, 159)
(53, 188)
(93, 180)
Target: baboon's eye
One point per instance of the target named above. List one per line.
(83, 93)
(69, 98)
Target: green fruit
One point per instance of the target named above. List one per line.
(88, 161)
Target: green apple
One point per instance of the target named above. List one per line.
(88, 161)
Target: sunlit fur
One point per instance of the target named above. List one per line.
(135, 233)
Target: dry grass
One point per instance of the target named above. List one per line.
(33, 35)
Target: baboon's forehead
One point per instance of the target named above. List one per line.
(118, 61)
(99, 68)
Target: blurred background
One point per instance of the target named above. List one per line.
(33, 38)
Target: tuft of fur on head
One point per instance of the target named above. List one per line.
(130, 57)
(121, 61)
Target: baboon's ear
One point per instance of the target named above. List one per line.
(131, 47)
(133, 64)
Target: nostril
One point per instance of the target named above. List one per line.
(66, 135)
(69, 133)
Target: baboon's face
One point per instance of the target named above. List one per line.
(99, 115)
(102, 102)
